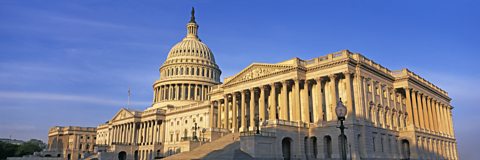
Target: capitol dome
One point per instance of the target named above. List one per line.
(188, 73)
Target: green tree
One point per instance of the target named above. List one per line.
(28, 148)
(7, 150)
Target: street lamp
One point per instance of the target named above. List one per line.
(341, 111)
(203, 134)
(257, 123)
(195, 127)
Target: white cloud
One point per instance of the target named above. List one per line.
(65, 97)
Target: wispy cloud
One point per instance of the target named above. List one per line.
(65, 97)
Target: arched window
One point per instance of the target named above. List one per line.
(314, 146)
(327, 140)
(181, 71)
(198, 71)
(405, 149)
(342, 144)
(187, 71)
(176, 71)
(286, 148)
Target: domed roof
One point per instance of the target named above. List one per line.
(191, 48)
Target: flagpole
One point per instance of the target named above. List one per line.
(128, 101)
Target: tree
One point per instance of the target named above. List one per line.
(7, 150)
(28, 148)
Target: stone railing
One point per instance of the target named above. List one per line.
(259, 133)
(287, 123)
(406, 72)
(153, 111)
(188, 106)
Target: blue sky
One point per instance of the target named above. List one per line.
(72, 62)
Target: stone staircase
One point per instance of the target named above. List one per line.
(226, 147)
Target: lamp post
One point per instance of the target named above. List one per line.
(341, 111)
(257, 123)
(203, 134)
(195, 127)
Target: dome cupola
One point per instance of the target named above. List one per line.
(188, 72)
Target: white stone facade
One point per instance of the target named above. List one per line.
(391, 114)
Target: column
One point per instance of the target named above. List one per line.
(296, 98)
(333, 92)
(430, 113)
(155, 132)
(153, 128)
(132, 140)
(261, 104)
(234, 112)
(145, 125)
(155, 94)
(188, 92)
(284, 101)
(177, 91)
(219, 114)
(127, 133)
(242, 113)
(162, 131)
(425, 112)
(122, 135)
(164, 89)
(211, 115)
(226, 110)
(205, 91)
(305, 103)
(169, 90)
(349, 100)
(450, 120)
(185, 91)
(113, 134)
(421, 120)
(444, 128)
(139, 137)
(252, 108)
(320, 112)
(272, 102)
(435, 115)
(195, 92)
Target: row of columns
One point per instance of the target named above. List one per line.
(428, 114)
(286, 100)
(195, 92)
(141, 133)
(384, 106)
(203, 72)
(430, 148)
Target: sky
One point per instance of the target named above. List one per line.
(72, 62)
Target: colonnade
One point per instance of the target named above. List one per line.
(140, 133)
(191, 71)
(432, 148)
(288, 100)
(181, 91)
(384, 105)
(428, 114)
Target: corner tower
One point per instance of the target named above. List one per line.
(188, 73)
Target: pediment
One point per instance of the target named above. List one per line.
(122, 114)
(256, 70)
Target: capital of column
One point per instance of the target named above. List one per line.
(347, 73)
(332, 76)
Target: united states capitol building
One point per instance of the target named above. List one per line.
(283, 110)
